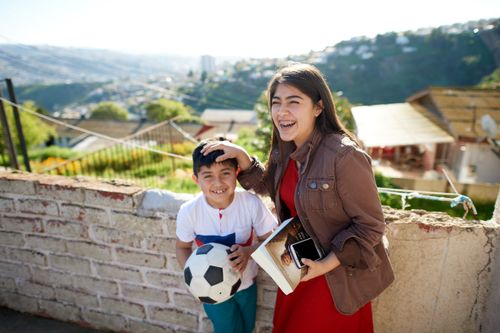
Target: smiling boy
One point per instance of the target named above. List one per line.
(225, 215)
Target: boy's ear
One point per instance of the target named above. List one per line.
(195, 179)
(237, 171)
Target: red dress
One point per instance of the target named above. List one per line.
(310, 307)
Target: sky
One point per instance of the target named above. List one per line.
(256, 28)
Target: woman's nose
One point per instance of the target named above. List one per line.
(282, 109)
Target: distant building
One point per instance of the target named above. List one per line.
(227, 123)
(471, 116)
(399, 133)
(208, 64)
(452, 127)
(78, 140)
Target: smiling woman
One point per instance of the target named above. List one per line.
(317, 172)
(294, 113)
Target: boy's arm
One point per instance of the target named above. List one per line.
(182, 251)
(241, 254)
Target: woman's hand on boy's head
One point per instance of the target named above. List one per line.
(239, 257)
(230, 151)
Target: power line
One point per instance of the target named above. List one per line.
(99, 135)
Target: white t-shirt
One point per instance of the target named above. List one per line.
(198, 221)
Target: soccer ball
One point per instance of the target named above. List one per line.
(209, 276)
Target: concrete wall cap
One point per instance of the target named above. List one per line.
(161, 202)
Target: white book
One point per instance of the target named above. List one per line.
(279, 255)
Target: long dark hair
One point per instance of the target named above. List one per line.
(309, 80)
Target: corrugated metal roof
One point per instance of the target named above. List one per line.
(227, 116)
(461, 109)
(396, 124)
(113, 128)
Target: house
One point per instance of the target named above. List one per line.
(471, 116)
(84, 140)
(227, 123)
(400, 134)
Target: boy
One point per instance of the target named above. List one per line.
(222, 214)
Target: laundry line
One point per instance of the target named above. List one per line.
(454, 199)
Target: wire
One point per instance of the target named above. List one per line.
(99, 135)
(457, 199)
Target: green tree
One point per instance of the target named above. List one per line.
(343, 107)
(491, 81)
(164, 109)
(35, 130)
(204, 76)
(109, 111)
(258, 142)
(263, 133)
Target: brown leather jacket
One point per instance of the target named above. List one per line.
(337, 201)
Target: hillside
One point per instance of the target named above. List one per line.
(384, 69)
(393, 66)
(47, 64)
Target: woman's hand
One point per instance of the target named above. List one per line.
(320, 267)
(239, 257)
(231, 150)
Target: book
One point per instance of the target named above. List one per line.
(281, 253)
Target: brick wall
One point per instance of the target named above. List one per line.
(103, 255)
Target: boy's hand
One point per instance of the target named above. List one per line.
(239, 257)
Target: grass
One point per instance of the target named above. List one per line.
(484, 209)
(156, 171)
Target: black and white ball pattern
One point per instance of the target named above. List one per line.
(209, 276)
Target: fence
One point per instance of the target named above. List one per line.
(146, 158)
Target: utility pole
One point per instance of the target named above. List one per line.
(11, 149)
(19, 127)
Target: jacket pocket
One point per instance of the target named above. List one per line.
(320, 193)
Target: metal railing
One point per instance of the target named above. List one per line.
(146, 158)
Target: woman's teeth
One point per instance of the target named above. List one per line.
(287, 124)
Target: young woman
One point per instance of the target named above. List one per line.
(317, 171)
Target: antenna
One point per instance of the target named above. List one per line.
(489, 125)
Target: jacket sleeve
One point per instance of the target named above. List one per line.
(253, 178)
(354, 245)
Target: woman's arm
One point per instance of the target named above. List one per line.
(354, 245)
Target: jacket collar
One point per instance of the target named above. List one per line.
(303, 154)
